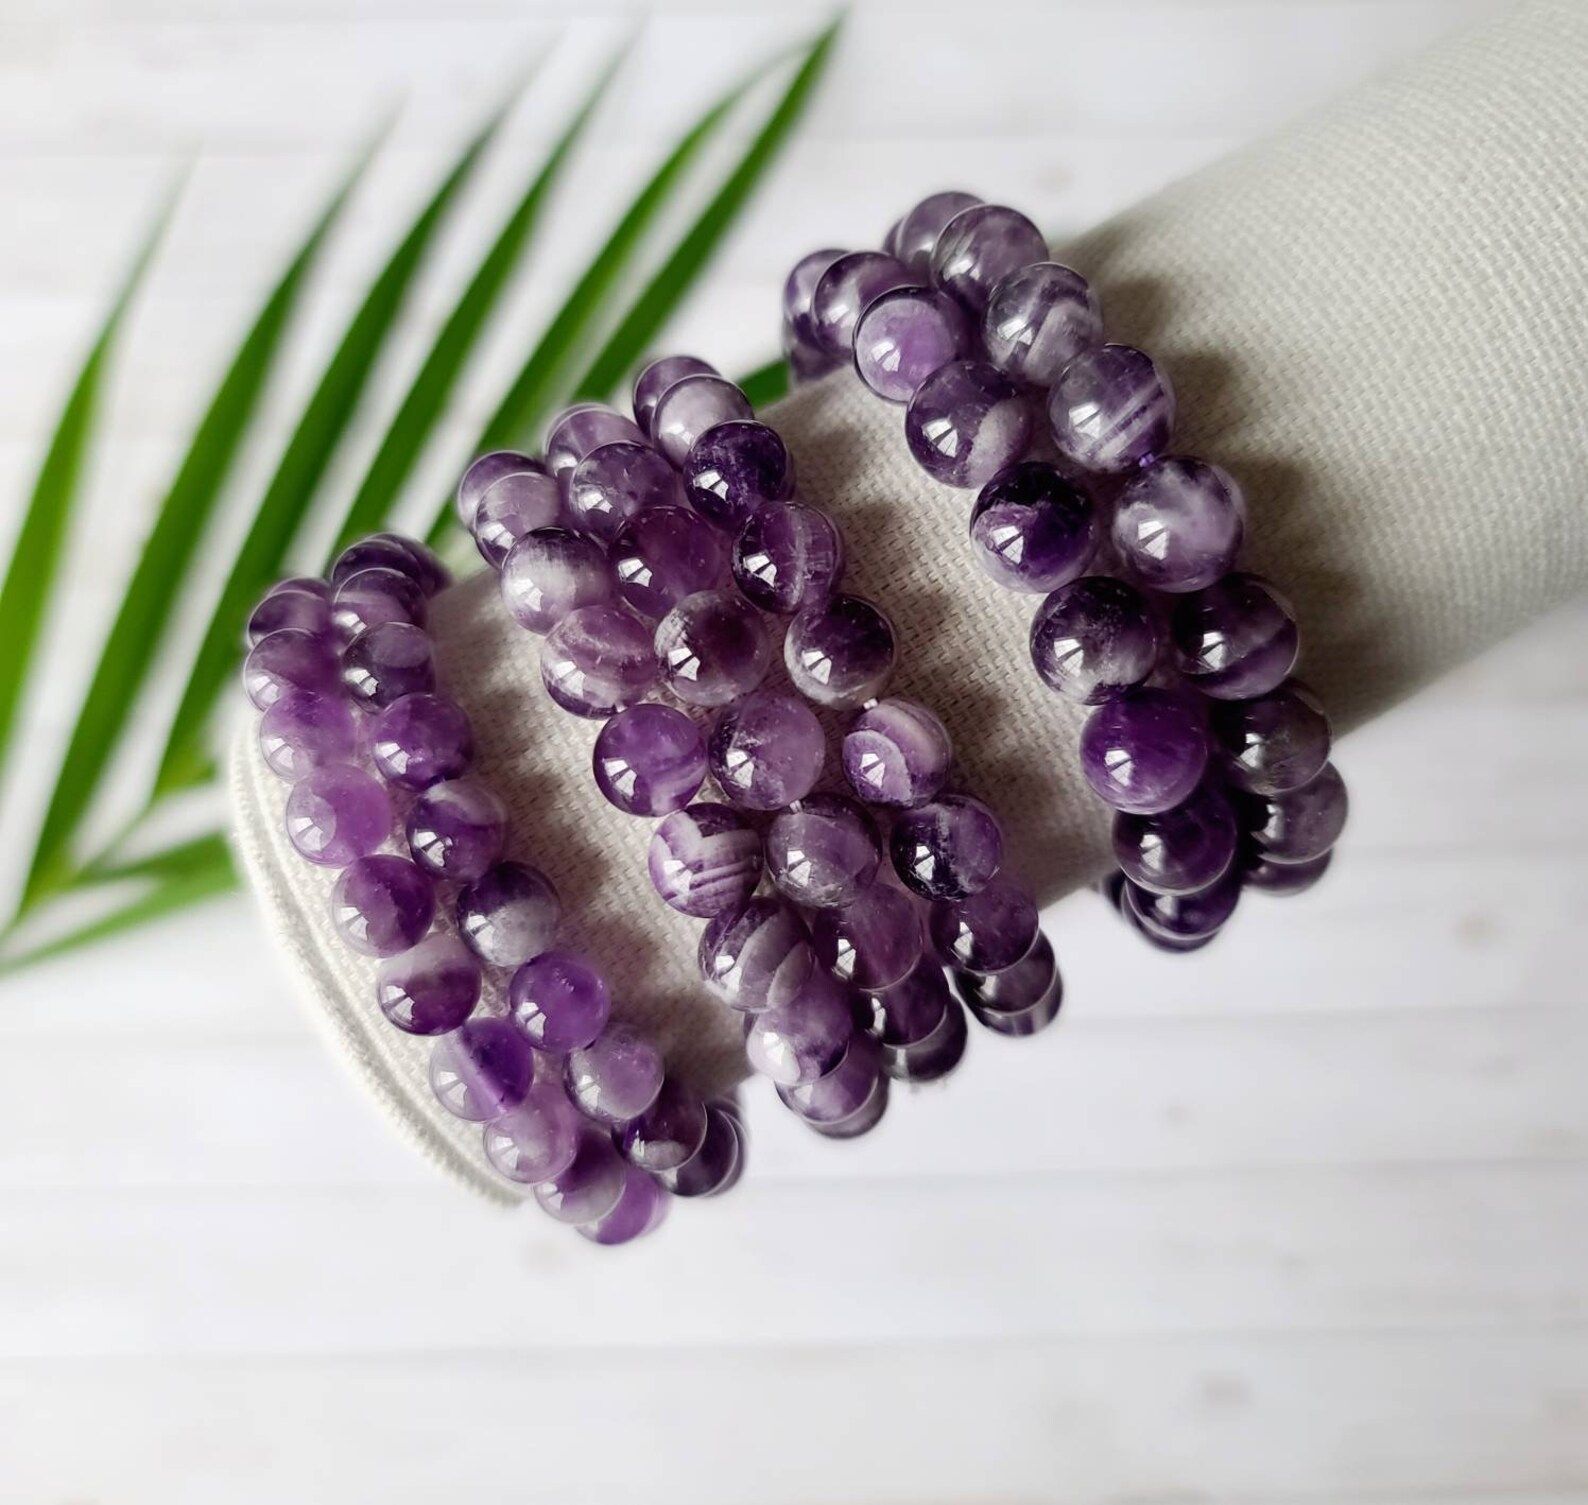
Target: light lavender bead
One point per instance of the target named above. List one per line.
(803, 1039)
(1111, 409)
(691, 406)
(798, 293)
(509, 914)
(337, 813)
(482, 1070)
(663, 555)
(512, 509)
(872, 941)
(1273, 743)
(966, 422)
(649, 759)
(904, 336)
(715, 1166)
(391, 551)
(303, 731)
(705, 860)
(580, 431)
(668, 1133)
(1179, 850)
(842, 652)
(1032, 529)
(456, 829)
(591, 1184)
(657, 377)
(1038, 319)
(641, 1209)
(736, 468)
(375, 595)
(1299, 825)
(947, 849)
(560, 1001)
(618, 482)
(389, 661)
(823, 851)
(897, 752)
(981, 246)
(431, 988)
(986, 932)
(844, 291)
(421, 739)
(918, 231)
(598, 659)
(712, 648)
(767, 750)
(756, 957)
(382, 905)
(483, 474)
(538, 1139)
(1093, 639)
(1145, 751)
(289, 659)
(289, 606)
(1235, 639)
(1178, 524)
(551, 572)
(845, 1091)
(614, 1078)
(788, 556)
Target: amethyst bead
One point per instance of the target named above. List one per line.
(551, 572)
(712, 648)
(1180, 850)
(391, 551)
(845, 1091)
(579, 432)
(715, 1166)
(966, 422)
(589, 1187)
(649, 759)
(861, 1121)
(897, 753)
(1276, 742)
(509, 914)
(1111, 409)
(734, 469)
(483, 474)
(1093, 639)
(842, 652)
(431, 988)
(767, 750)
(559, 1000)
(456, 829)
(382, 905)
(689, 408)
(909, 1011)
(798, 295)
(1145, 751)
(616, 483)
(917, 233)
(1284, 878)
(512, 509)
(1032, 529)
(289, 659)
(337, 813)
(310, 584)
(844, 291)
(872, 941)
(289, 606)
(980, 247)
(705, 860)
(421, 739)
(987, 932)
(1236, 639)
(657, 377)
(788, 556)
(482, 1070)
(803, 1039)
(1302, 824)
(641, 1209)
(669, 1132)
(1183, 917)
(1038, 320)
(1178, 524)
(597, 660)
(536, 1140)
(1021, 999)
(614, 1078)
(370, 596)
(822, 851)
(948, 849)
(931, 1059)
(905, 335)
(664, 555)
(304, 730)
(389, 661)
(756, 957)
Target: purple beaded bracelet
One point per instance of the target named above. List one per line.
(1214, 758)
(570, 1101)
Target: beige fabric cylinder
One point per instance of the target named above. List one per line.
(1377, 320)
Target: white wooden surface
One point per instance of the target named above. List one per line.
(1302, 1218)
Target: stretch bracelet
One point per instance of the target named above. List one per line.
(570, 1101)
(1214, 759)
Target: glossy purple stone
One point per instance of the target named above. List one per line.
(1038, 319)
(616, 483)
(551, 572)
(705, 860)
(289, 659)
(431, 988)
(987, 932)
(1032, 529)
(668, 1133)
(756, 957)
(664, 555)
(482, 1070)
(845, 1091)
(649, 759)
(931, 1059)
(872, 941)
(456, 829)
(657, 377)
(483, 474)
(904, 336)
(798, 295)
(803, 1039)
(289, 606)
(715, 1166)
(382, 905)
(947, 849)
(966, 422)
(788, 556)
(1020, 1000)
(375, 595)
(806, 363)
(421, 739)
(712, 648)
(845, 290)
(589, 1187)
(1184, 917)
(512, 509)
(734, 469)
(1284, 878)
(822, 851)
(1299, 825)
(1275, 742)
(389, 661)
(559, 1000)
(614, 1078)
(581, 430)
(1236, 639)
(917, 233)
(1179, 850)
(312, 584)
(598, 659)
(840, 653)
(897, 752)
(910, 1010)
(1093, 639)
(391, 551)
(1145, 751)
(767, 750)
(337, 813)
(980, 247)
(536, 1140)
(1178, 524)
(861, 1121)
(691, 406)
(509, 914)
(1111, 408)
(641, 1209)
(304, 730)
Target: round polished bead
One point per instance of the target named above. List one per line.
(559, 1000)
(689, 408)
(947, 849)
(289, 606)
(715, 1166)
(897, 752)
(872, 941)
(844, 1091)
(918, 231)
(598, 659)
(1145, 751)
(649, 759)
(788, 556)
(861, 1121)
(289, 659)
(1021, 999)
(705, 860)
(431, 988)
(1236, 639)
(421, 739)
(822, 851)
(382, 905)
(389, 661)
(375, 595)
(803, 1039)
(736, 468)
(1111, 408)
(1032, 529)
(799, 291)
(909, 1011)
(456, 829)
(1093, 639)
(551, 572)
(905, 335)
(512, 509)
(1179, 850)
(987, 932)
(312, 584)
(1184, 917)
(1178, 524)
(1283, 878)
(536, 1140)
(391, 551)
(1302, 824)
(669, 1132)
(844, 291)
(614, 1078)
(589, 1187)
(981, 246)
(304, 730)
(931, 1059)
(1274, 742)
(509, 914)
(616, 483)
(806, 363)
(767, 750)
(966, 422)
(337, 813)
(483, 474)
(657, 377)
(664, 555)
(756, 957)
(641, 1209)
(840, 653)
(579, 432)
(712, 648)
(482, 1070)
(1038, 319)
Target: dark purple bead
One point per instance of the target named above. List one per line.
(614, 1078)
(483, 474)
(966, 422)
(551, 572)
(1145, 751)
(767, 750)
(987, 932)
(734, 469)
(1111, 409)
(421, 739)
(391, 551)
(712, 648)
(482, 1070)
(657, 377)
(1184, 917)
(1032, 529)
(948, 849)
(559, 1000)
(798, 293)
(1178, 524)
(897, 753)
(1093, 639)
(509, 914)
(844, 291)
(931, 1059)
(579, 432)
(512, 509)
(715, 1166)
(980, 247)
(456, 829)
(289, 659)
(1038, 319)
(822, 851)
(918, 231)
(616, 483)
(598, 659)
(689, 408)
(288, 606)
(536, 1140)
(641, 1209)
(337, 813)
(1299, 825)
(1236, 639)
(1275, 742)
(1020, 1000)
(872, 941)
(705, 860)
(1179, 850)
(904, 336)
(664, 555)
(1283, 878)
(375, 595)
(803, 1039)
(669, 1132)
(649, 759)
(382, 905)
(431, 988)
(788, 556)
(842, 652)
(389, 661)
(756, 957)
(590, 1185)
(845, 1092)
(910, 1010)
(304, 730)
